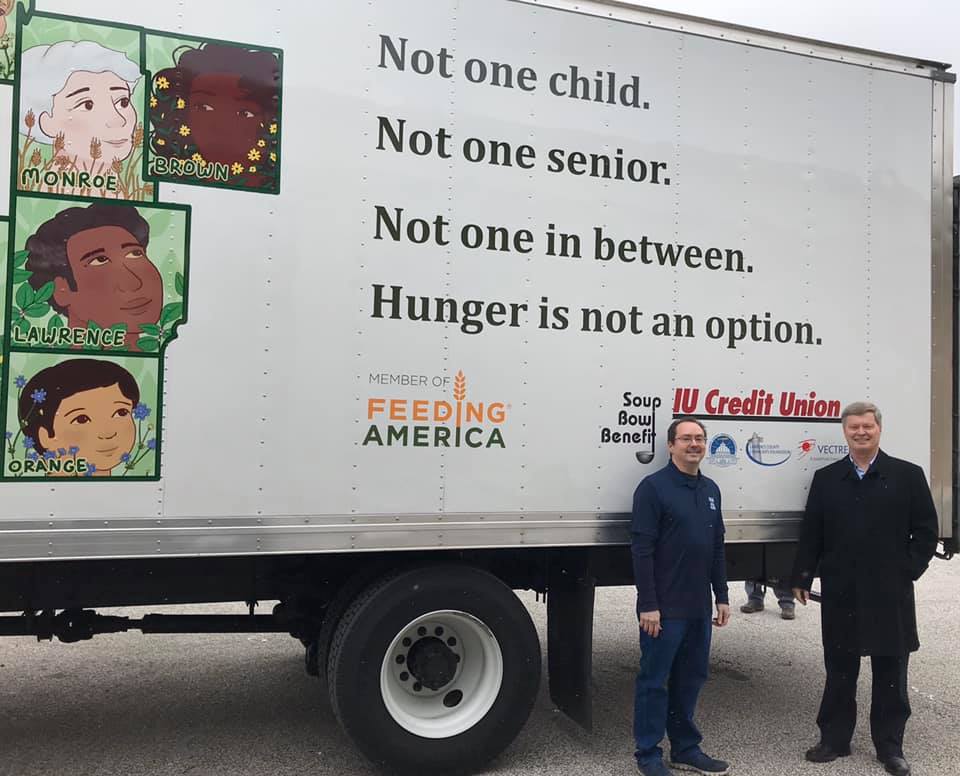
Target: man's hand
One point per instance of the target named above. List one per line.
(723, 615)
(650, 623)
(801, 595)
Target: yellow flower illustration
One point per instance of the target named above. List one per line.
(236, 168)
(153, 101)
(184, 130)
(161, 141)
(197, 158)
(273, 156)
(162, 83)
(181, 104)
(262, 143)
(253, 168)
(273, 129)
(253, 155)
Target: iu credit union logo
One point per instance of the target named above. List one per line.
(460, 422)
(764, 453)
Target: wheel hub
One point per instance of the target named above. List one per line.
(432, 662)
(428, 658)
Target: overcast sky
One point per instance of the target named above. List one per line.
(925, 29)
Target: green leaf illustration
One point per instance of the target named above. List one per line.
(148, 344)
(56, 322)
(20, 258)
(94, 326)
(44, 293)
(150, 329)
(171, 313)
(178, 283)
(36, 310)
(21, 275)
(25, 296)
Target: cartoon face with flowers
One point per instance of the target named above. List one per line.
(85, 410)
(220, 104)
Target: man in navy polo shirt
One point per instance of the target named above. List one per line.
(677, 557)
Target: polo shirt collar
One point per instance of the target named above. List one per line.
(689, 480)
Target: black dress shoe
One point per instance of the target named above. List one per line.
(895, 764)
(824, 753)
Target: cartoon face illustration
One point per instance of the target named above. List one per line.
(87, 412)
(97, 259)
(78, 95)
(218, 101)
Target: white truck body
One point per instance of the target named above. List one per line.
(803, 184)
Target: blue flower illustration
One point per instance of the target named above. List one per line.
(28, 442)
(141, 411)
(91, 470)
(125, 458)
(61, 452)
(32, 455)
(9, 435)
(151, 444)
(49, 455)
(20, 381)
(39, 396)
(74, 450)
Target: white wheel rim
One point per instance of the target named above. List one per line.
(469, 689)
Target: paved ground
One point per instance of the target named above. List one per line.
(235, 705)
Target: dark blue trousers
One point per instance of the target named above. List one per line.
(673, 668)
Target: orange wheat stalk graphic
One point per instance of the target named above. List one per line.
(459, 393)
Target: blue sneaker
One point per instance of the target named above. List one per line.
(695, 760)
(654, 768)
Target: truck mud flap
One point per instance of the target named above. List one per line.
(570, 598)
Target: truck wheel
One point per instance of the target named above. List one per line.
(434, 670)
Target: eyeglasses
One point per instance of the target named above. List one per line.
(686, 439)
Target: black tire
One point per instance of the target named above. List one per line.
(331, 619)
(378, 615)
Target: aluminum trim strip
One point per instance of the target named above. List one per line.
(941, 260)
(634, 13)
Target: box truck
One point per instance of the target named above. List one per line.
(379, 311)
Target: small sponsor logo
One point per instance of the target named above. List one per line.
(813, 450)
(636, 425)
(713, 504)
(766, 453)
(722, 451)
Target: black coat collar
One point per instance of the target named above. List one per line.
(878, 468)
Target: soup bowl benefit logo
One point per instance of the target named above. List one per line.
(460, 422)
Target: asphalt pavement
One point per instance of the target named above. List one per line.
(129, 704)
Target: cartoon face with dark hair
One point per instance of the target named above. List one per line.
(87, 410)
(227, 98)
(97, 259)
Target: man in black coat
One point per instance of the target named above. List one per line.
(871, 528)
